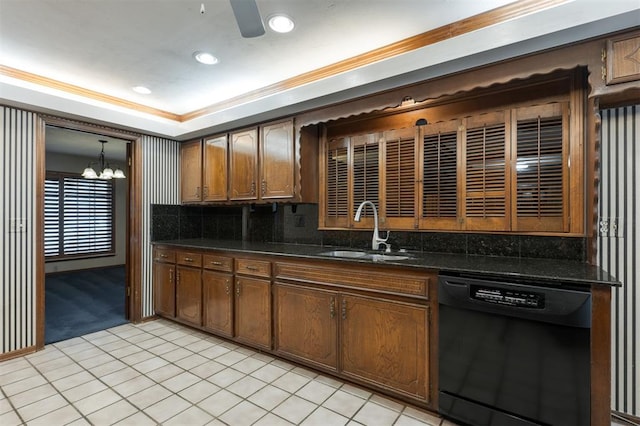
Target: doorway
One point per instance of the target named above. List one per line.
(67, 147)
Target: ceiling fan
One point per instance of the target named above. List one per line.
(248, 18)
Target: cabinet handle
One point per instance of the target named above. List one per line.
(332, 308)
(237, 288)
(251, 268)
(188, 259)
(177, 277)
(227, 287)
(263, 187)
(253, 188)
(164, 256)
(170, 276)
(206, 191)
(344, 309)
(197, 192)
(213, 262)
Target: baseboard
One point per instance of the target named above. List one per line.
(17, 353)
(625, 418)
(149, 318)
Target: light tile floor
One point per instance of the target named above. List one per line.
(162, 372)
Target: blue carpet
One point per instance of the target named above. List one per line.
(82, 302)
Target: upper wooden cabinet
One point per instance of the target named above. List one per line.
(243, 165)
(622, 62)
(191, 172)
(265, 163)
(507, 168)
(214, 168)
(277, 160)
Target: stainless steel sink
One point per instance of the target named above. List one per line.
(376, 257)
(383, 257)
(345, 253)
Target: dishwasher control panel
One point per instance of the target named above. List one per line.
(519, 299)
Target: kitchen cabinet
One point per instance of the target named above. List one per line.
(305, 321)
(277, 160)
(203, 170)
(189, 287)
(252, 306)
(164, 289)
(621, 60)
(384, 342)
(214, 168)
(217, 294)
(243, 165)
(379, 338)
(191, 171)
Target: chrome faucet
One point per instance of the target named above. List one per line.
(376, 240)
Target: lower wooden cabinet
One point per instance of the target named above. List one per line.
(189, 294)
(164, 289)
(253, 311)
(217, 300)
(305, 322)
(385, 343)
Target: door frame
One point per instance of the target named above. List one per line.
(133, 255)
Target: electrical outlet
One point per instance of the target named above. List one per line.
(17, 225)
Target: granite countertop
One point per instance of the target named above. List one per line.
(544, 271)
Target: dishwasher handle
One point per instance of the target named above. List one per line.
(560, 306)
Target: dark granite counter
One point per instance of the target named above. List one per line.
(542, 271)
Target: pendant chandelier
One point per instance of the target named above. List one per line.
(106, 172)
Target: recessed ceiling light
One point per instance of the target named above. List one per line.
(142, 90)
(205, 58)
(281, 23)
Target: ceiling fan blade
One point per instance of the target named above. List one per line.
(248, 18)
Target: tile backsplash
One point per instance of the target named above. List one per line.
(297, 224)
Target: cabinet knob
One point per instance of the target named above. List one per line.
(344, 309)
(263, 187)
(332, 308)
(227, 287)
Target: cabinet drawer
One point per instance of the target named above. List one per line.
(381, 280)
(165, 255)
(259, 268)
(217, 262)
(188, 258)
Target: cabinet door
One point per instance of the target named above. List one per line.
(214, 175)
(385, 343)
(164, 289)
(253, 311)
(189, 295)
(305, 322)
(217, 299)
(191, 172)
(243, 154)
(277, 160)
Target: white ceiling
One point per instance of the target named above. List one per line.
(109, 46)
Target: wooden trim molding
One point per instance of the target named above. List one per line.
(496, 16)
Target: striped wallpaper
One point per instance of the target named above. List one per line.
(17, 249)
(161, 185)
(619, 247)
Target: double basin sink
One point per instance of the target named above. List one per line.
(376, 257)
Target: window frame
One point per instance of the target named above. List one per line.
(61, 256)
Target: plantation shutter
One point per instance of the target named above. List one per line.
(400, 178)
(337, 199)
(366, 176)
(486, 173)
(78, 216)
(439, 194)
(539, 182)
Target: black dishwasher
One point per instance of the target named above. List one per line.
(513, 353)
